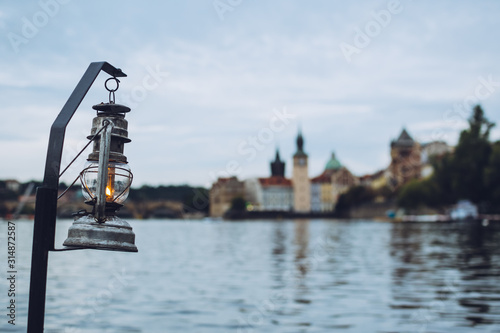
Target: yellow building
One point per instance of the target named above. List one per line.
(300, 179)
(322, 193)
(327, 187)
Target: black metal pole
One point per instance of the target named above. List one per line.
(46, 197)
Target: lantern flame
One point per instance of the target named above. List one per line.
(108, 192)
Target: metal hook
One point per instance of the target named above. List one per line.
(112, 91)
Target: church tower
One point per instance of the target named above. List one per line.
(406, 161)
(277, 166)
(300, 178)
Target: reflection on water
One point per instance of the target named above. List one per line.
(273, 276)
(301, 242)
(449, 273)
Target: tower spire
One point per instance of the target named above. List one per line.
(278, 166)
(300, 144)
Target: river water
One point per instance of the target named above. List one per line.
(269, 276)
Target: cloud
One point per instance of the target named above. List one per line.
(225, 78)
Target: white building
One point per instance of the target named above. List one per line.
(271, 194)
(277, 194)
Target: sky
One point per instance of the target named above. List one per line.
(215, 87)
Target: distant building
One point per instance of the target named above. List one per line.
(277, 166)
(409, 160)
(300, 178)
(434, 148)
(222, 193)
(271, 194)
(277, 194)
(342, 180)
(253, 193)
(376, 180)
(430, 150)
(321, 193)
(12, 185)
(406, 161)
(327, 187)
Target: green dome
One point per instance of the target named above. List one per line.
(333, 163)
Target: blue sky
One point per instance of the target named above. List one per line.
(216, 86)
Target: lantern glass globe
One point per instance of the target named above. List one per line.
(117, 185)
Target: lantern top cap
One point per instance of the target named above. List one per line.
(111, 108)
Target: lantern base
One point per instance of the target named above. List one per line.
(115, 234)
(111, 208)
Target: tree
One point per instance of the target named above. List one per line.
(471, 157)
(480, 126)
(197, 201)
(238, 204)
(442, 178)
(354, 196)
(472, 172)
(417, 193)
(492, 178)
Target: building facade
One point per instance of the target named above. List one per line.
(274, 193)
(327, 187)
(321, 193)
(406, 163)
(434, 148)
(430, 150)
(299, 194)
(222, 193)
(277, 194)
(300, 179)
(342, 180)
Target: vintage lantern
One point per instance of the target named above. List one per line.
(106, 181)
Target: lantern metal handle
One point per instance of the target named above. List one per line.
(102, 172)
